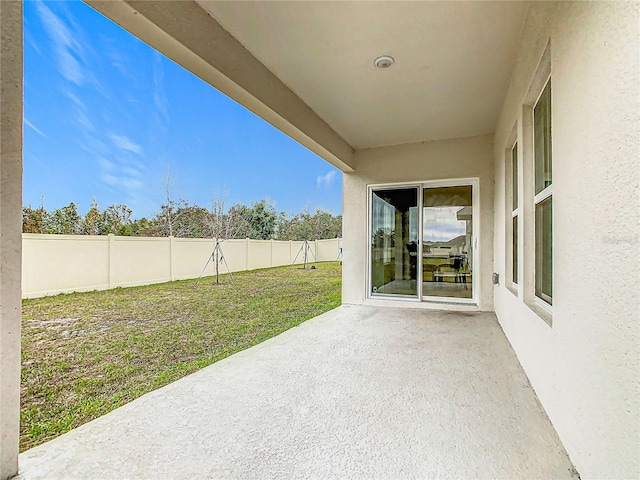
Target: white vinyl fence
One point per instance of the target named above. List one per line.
(54, 264)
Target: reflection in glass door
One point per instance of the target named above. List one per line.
(394, 241)
(447, 249)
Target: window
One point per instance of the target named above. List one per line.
(543, 199)
(514, 213)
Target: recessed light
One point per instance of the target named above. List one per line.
(385, 61)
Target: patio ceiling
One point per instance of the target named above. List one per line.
(307, 67)
(453, 62)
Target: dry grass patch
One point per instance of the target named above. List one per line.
(84, 354)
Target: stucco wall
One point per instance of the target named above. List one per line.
(438, 160)
(67, 263)
(10, 225)
(585, 366)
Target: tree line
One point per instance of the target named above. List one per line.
(179, 218)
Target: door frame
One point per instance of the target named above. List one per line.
(474, 182)
(369, 271)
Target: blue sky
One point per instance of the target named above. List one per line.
(105, 115)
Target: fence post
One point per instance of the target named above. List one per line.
(290, 252)
(110, 248)
(171, 275)
(271, 255)
(316, 252)
(246, 246)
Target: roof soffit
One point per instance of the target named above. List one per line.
(453, 62)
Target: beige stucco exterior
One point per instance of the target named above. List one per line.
(584, 367)
(583, 356)
(10, 226)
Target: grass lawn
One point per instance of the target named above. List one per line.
(84, 354)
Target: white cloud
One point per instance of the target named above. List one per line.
(131, 171)
(93, 146)
(110, 179)
(326, 180)
(124, 143)
(124, 182)
(159, 98)
(33, 127)
(74, 98)
(119, 61)
(105, 164)
(131, 183)
(70, 67)
(65, 46)
(83, 120)
(29, 39)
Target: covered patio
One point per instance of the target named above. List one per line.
(534, 106)
(359, 392)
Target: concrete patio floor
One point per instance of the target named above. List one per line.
(359, 392)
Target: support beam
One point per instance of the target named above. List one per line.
(10, 231)
(186, 33)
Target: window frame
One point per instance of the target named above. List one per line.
(515, 213)
(544, 194)
(474, 182)
(369, 294)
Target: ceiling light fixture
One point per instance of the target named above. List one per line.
(385, 61)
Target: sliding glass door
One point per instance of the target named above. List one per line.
(447, 247)
(394, 241)
(422, 241)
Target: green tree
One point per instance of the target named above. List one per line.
(191, 222)
(34, 220)
(137, 228)
(223, 225)
(117, 220)
(93, 222)
(65, 220)
(259, 222)
(175, 217)
(305, 226)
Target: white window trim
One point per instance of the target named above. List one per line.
(543, 195)
(543, 303)
(524, 133)
(539, 95)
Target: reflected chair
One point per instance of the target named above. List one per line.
(457, 265)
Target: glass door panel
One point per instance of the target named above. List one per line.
(447, 242)
(394, 241)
